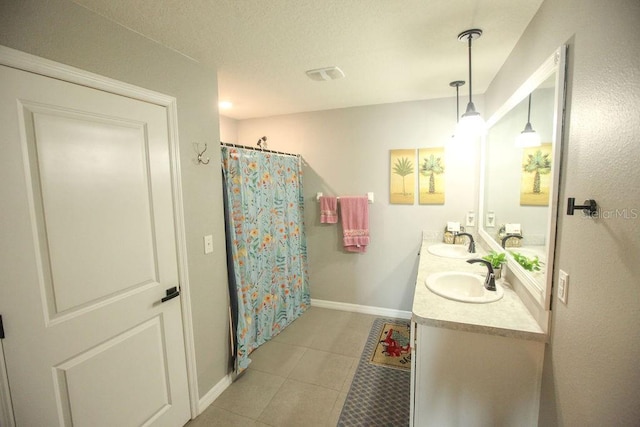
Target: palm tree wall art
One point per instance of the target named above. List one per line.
(431, 180)
(536, 168)
(402, 177)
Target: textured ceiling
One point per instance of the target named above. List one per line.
(390, 50)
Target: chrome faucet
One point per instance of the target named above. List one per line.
(472, 243)
(508, 236)
(490, 280)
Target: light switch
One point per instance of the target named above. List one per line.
(208, 244)
(563, 286)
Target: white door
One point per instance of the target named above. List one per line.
(87, 251)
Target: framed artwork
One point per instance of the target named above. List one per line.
(402, 177)
(431, 179)
(536, 177)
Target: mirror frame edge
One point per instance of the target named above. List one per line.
(555, 63)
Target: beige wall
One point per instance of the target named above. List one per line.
(65, 32)
(591, 372)
(229, 130)
(346, 152)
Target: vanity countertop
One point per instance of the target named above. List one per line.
(506, 317)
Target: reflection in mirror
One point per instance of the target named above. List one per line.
(519, 184)
(517, 179)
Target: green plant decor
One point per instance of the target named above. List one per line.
(529, 264)
(496, 259)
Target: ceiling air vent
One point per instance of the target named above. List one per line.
(327, 73)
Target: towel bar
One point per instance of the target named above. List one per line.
(369, 196)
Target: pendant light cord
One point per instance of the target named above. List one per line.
(529, 110)
(457, 104)
(457, 84)
(471, 114)
(470, 82)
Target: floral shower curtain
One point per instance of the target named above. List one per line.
(266, 245)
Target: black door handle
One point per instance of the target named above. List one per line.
(171, 294)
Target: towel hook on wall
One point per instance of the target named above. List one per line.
(590, 207)
(196, 146)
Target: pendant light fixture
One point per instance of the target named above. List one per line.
(471, 124)
(528, 137)
(457, 84)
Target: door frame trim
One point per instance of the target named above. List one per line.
(45, 67)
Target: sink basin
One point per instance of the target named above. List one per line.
(450, 251)
(461, 286)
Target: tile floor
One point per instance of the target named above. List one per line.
(299, 378)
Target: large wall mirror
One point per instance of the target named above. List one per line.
(519, 184)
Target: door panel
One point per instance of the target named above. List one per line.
(93, 179)
(135, 359)
(87, 250)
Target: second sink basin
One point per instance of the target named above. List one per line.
(450, 251)
(464, 287)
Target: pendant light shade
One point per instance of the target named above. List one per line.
(528, 137)
(471, 124)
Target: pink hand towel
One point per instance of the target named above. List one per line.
(355, 223)
(328, 210)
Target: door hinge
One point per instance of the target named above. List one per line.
(1, 328)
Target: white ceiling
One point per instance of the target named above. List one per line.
(390, 50)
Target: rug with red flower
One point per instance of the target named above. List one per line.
(393, 349)
(380, 390)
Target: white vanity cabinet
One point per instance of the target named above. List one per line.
(472, 364)
(469, 379)
(481, 364)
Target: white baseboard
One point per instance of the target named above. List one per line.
(213, 394)
(366, 309)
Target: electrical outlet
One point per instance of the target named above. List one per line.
(471, 219)
(490, 220)
(208, 244)
(563, 286)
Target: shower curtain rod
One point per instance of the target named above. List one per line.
(227, 144)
